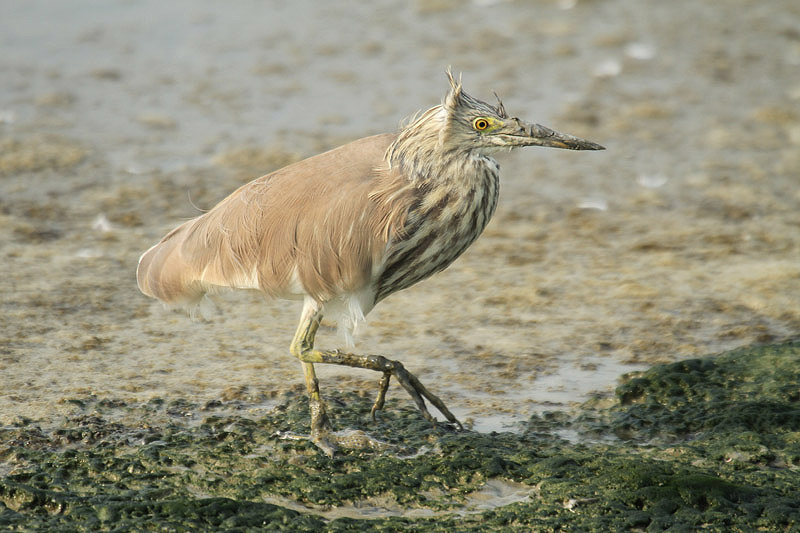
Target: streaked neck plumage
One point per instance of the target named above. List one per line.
(456, 193)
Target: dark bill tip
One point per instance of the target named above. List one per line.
(578, 144)
(547, 137)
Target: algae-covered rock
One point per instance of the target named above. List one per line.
(709, 443)
(753, 389)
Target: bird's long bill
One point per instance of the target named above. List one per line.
(538, 135)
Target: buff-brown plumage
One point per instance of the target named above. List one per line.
(319, 225)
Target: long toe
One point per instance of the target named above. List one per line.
(349, 439)
(355, 439)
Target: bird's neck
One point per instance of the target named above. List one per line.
(421, 159)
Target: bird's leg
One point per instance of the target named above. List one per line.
(303, 349)
(303, 343)
(320, 423)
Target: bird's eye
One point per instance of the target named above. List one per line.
(480, 124)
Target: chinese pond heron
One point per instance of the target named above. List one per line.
(345, 229)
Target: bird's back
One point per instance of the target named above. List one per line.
(315, 227)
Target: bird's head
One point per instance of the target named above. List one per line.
(474, 125)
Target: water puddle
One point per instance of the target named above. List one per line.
(493, 494)
(568, 385)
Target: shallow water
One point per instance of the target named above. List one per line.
(493, 494)
(118, 121)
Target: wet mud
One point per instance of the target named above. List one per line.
(662, 453)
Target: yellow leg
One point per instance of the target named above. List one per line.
(303, 343)
(321, 431)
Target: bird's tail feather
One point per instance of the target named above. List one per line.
(165, 274)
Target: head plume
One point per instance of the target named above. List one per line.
(456, 99)
(452, 99)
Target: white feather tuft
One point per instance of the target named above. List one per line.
(349, 312)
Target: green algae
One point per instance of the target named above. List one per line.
(710, 443)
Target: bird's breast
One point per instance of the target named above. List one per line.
(445, 217)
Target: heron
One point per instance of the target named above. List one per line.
(344, 229)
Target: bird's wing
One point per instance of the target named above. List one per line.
(315, 227)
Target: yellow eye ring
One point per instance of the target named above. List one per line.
(480, 124)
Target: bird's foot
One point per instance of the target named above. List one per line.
(412, 385)
(350, 439)
(329, 442)
(390, 368)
